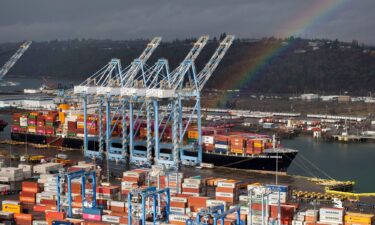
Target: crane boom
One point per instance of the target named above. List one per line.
(10, 63)
(137, 64)
(178, 73)
(207, 71)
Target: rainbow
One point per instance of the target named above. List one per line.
(315, 15)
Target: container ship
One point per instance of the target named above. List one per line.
(221, 147)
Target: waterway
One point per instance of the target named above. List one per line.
(342, 161)
(353, 161)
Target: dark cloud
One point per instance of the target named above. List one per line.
(123, 19)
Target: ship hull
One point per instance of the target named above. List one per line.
(263, 162)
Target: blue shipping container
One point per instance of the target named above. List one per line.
(276, 188)
(92, 211)
(61, 223)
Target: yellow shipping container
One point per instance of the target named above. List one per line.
(358, 218)
(237, 150)
(64, 106)
(11, 208)
(258, 145)
(193, 134)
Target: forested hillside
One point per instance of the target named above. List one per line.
(265, 66)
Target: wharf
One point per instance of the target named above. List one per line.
(353, 138)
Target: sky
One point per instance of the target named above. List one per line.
(41, 20)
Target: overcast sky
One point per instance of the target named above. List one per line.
(122, 19)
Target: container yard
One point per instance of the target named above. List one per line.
(77, 195)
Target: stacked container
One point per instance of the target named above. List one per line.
(29, 190)
(72, 128)
(222, 144)
(40, 125)
(331, 215)
(358, 218)
(23, 219)
(92, 214)
(179, 203)
(131, 179)
(32, 122)
(237, 144)
(286, 213)
(47, 168)
(311, 216)
(192, 186)
(9, 174)
(27, 170)
(196, 203)
(11, 206)
(228, 191)
(50, 123)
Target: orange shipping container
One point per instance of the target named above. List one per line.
(30, 187)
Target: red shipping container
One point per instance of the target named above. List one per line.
(39, 208)
(54, 215)
(23, 219)
(197, 201)
(48, 202)
(286, 211)
(30, 187)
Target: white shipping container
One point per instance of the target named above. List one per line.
(4, 187)
(190, 193)
(77, 211)
(331, 214)
(117, 203)
(192, 181)
(221, 146)
(208, 139)
(110, 219)
(40, 222)
(178, 210)
(23, 121)
(212, 202)
(244, 210)
(273, 198)
(4, 179)
(224, 194)
(191, 185)
(127, 184)
(179, 199)
(297, 222)
(178, 218)
(226, 184)
(311, 212)
(256, 220)
(131, 174)
(47, 167)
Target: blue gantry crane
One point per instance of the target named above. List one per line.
(69, 176)
(140, 91)
(145, 194)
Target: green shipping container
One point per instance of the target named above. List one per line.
(191, 140)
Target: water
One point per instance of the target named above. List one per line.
(32, 83)
(341, 161)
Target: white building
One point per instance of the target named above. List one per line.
(23, 102)
(310, 97)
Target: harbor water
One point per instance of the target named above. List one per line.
(342, 161)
